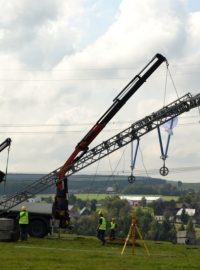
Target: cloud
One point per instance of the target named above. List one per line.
(40, 33)
(60, 66)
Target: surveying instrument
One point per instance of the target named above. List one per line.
(132, 235)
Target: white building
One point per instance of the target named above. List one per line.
(136, 200)
(188, 211)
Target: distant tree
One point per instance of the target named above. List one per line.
(144, 220)
(143, 202)
(181, 227)
(93, 205)
(47, 199)
(153, 233)
(180, 185)
(167, 231)
(169, 190)
(184, 216)
(80, 203)
(190, 226)
(85, 225)
(116, 207)
(158, 206)
(121, 211)
(72, 198)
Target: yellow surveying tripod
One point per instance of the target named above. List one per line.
(132, 235)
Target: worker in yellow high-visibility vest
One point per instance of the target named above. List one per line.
(113, 227)
(23, 223)
(101, 228)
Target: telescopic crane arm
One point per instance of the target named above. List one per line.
(5, 144)
(118, 103)
(60, 207)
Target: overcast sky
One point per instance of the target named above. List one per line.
(64, 61)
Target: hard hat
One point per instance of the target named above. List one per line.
(23, 208)
(100, 213)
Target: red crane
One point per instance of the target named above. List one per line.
(61, 202)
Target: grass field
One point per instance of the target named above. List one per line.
(96, 196)
(103, 196)
(86, 253)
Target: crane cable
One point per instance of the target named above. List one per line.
(164, 170)
(108, 177)
(6, 167)
(165, 87)
(173, 83)
(113, 171)
(93, 180)
(142, 158)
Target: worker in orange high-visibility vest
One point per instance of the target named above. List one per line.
(23, 223)
(101, 228)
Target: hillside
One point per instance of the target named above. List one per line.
(100, 183)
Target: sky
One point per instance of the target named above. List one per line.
(64, 61)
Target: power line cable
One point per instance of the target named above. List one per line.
(113, 171)
(75, 124)
(143, 163)
(64, 132)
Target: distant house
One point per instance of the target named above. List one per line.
(188, 211)
(110, 190)
(159, 218)
(180, 205)
(135, 201)
(34, 199)
(184, 237)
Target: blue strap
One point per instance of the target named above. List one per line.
(133, 157)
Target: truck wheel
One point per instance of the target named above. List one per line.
(38, 228)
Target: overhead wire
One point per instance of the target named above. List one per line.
(60, 132)
(142, 158)
(76, 124)
(107, 181)
(139, 172)
(101, 76)
(93, 181)
(175, 65)
(165, 93)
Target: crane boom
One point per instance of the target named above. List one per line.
(5, 144)
(60, 209)
(136, 130)
(118, 103)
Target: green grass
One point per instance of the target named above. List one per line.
(103, 196)
(92, 196)
(96, 196)
(85, 253)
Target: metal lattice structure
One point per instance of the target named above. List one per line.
(134, 132)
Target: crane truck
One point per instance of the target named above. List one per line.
(82, 156)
